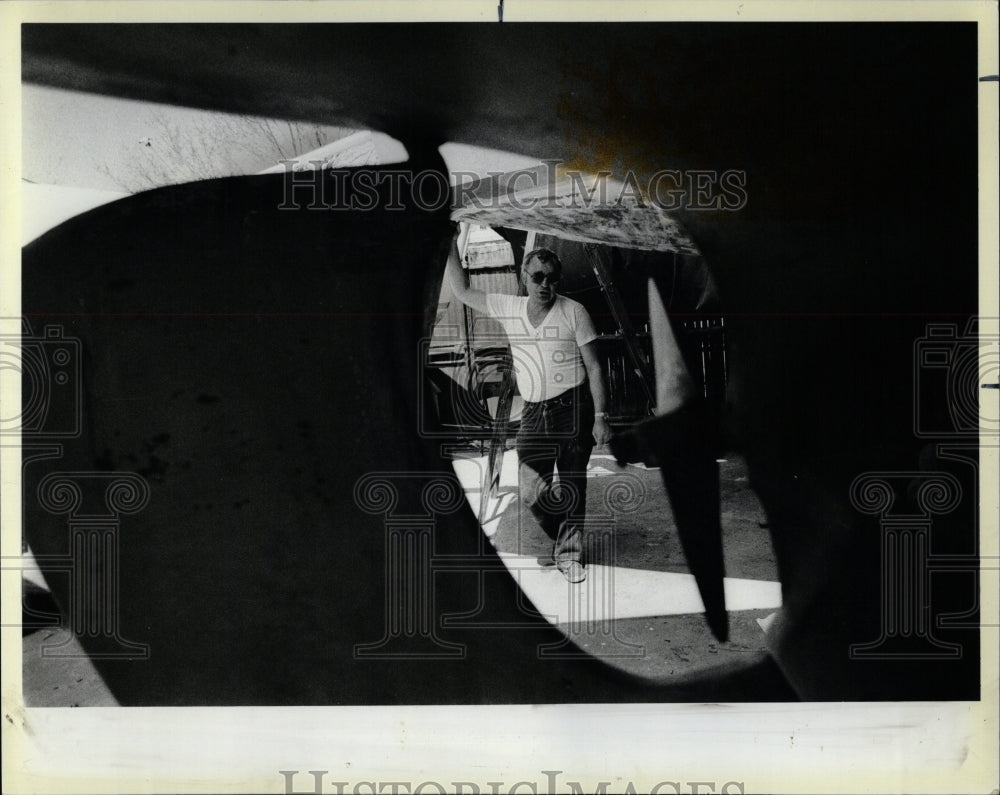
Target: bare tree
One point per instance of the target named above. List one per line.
(213, 145)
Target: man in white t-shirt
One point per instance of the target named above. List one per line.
(559, 377)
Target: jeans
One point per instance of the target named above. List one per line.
(557, 434)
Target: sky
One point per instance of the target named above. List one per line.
(106, 143)
(97, 149)
(93, 141)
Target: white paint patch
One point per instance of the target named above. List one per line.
(471, 471)
(611, 593)
(766, 622)
(31, 572)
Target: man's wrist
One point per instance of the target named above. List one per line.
(600, 415)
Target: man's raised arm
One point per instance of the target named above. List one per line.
(475, 299)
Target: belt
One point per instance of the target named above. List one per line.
(567, 398)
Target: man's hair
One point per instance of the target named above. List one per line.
(544, 255)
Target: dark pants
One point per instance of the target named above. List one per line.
(557, 434)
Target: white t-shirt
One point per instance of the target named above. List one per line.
(547, 359)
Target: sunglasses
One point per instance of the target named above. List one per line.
(540, 276)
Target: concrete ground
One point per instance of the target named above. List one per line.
(638, 610)
(66, 680)
(55, 670)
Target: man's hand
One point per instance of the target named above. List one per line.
(595, 376)
(602, 431)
